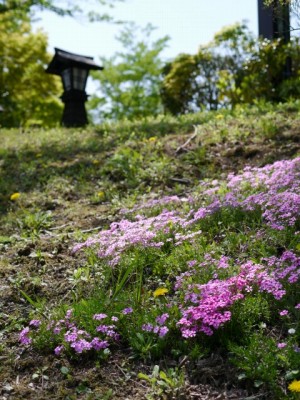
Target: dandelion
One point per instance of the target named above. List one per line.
(101, 195)
(160, 292)
(15, 196)
(294, 386)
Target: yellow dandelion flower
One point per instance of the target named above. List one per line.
(160, 292)
(294, 386)
(220, 116)
(15, 196)
(152, 139)
(101, 194)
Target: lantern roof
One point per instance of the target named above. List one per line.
(63, 59)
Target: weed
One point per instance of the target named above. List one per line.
(169, 382)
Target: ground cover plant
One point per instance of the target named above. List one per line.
(158, 259)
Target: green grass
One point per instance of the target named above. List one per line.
(74, 183)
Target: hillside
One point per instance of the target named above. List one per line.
(150, 263)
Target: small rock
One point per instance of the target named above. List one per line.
(8, 388)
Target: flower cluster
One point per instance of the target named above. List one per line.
(160, 329)
(163, 201)
(78, 340)
(273, 189)
(207, 306)
(125, 234)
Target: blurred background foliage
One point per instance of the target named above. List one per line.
(234, 68)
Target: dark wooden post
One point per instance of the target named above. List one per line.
(274, 23)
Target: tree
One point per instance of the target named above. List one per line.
(129, 85)
(63, 8)
(27, 94)
(191, 82)
(233, 68)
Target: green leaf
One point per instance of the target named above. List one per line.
(144, 377)
(64, 370)
(257, 384)
(291, 374)
(5, 240)
(155, 371)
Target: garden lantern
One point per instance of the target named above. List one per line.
(73, 70)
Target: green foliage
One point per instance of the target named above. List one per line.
(257, 359)
(164, 383)
(129, 83)
(61, 171)
(73, 8)
(232, 69)
(28, 96)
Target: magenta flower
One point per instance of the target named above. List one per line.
(147, 327)
(283, 313)
(162, 318)
(98, 317)
(281, 345)
(81, 345)
(23, 336)
(58, 350)
(163, 330)
(35, 322)
(128, 310)
(99, 344)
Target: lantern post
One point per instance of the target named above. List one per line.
(73, 70)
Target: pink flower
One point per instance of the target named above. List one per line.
(163, 331)
(98, 317)
(128, 310)
(35, 322)
(281, 345)
(161, 319)
(283, 313)
(58, 350)
(23, 336)
(98, 344)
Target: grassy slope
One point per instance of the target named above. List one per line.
(74, 181)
